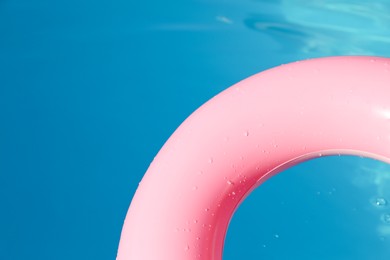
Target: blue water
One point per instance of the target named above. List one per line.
(90, 91)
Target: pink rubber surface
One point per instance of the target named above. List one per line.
(247, 133)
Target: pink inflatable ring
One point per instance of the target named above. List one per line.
(245, 135)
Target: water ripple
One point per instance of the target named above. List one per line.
(328, 27)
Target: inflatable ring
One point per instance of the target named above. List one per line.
(245, 135)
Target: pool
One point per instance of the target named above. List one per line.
(91, 90)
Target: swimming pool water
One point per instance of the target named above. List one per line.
(90, 91)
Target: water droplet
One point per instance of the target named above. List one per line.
(230, 182)
(379, 202)
(206, 209)
(195, 188)
(233, 193)
(276, 235)
(211, 160)
(200, 172)
(246, 133)
(195, 221)
(187, 247)
(197, 238)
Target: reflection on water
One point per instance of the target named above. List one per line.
(328, 27)
(224, 19)
(331, 199)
